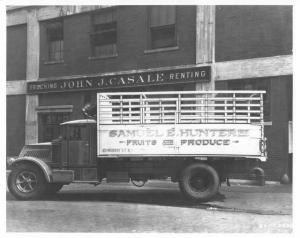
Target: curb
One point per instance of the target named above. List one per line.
(251, 182)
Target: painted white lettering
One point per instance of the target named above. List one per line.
(150, 79)
(88, 83)
(130, 79)
(100, 83)
(111, 81)
(140, 78)
(63, 85)
(121, 81)
(79, 84)
(71, 84)
(159, 77)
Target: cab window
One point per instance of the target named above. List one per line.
(78, 132)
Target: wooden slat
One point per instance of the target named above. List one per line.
(196, 107)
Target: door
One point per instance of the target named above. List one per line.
(79, 146)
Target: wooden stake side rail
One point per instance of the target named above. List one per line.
(181, 107)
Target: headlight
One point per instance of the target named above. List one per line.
(10, 160)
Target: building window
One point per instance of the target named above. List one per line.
(162, 24)
(55, 41)
(104, 34)
(49, 125)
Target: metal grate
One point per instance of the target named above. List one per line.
(243, 107)
(41, 153)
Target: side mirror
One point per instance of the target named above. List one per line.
(89, 111)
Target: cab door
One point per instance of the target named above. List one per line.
(79, 146)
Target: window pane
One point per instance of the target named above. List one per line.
(50, 125)
(105, 38)
(61, 50)
(163, 37)
(78, 132)
(105, 50)
(56, 50)
(162, 15)
(75, 133)
(105, 27)
(55, 41)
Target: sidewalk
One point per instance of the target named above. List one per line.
(266, 200)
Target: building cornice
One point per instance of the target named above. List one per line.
(17, 15)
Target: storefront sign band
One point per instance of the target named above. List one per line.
(195, 74)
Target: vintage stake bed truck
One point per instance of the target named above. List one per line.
(198, 139)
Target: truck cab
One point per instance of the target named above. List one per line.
(43, 168)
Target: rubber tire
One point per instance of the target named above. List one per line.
(53, 188)
(40, 186)
(192, 194)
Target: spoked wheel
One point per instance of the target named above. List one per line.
(199, 182)
(26, 182)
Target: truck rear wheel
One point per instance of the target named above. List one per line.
(199, 182)
(26, 182)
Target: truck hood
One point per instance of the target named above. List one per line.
(42, 143)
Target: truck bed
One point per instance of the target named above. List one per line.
(210, 123)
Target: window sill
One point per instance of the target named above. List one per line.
(102, 57)
(55, 62)
(161, 50)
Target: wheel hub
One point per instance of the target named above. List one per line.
(199, 182)
(26, 181)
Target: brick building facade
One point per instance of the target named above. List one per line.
(245, 47)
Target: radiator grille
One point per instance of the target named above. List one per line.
(41, 153)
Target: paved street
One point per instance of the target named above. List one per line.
(157, 207)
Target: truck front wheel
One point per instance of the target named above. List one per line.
(26, 182)
(199, 182)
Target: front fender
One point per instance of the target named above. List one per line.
(41, 164)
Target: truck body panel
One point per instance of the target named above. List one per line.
(231, 140)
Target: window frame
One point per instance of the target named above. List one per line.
(44, 126)
(149, 33)
(51, 58)
(94, 32)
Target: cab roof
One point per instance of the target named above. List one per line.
(81, 121)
